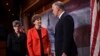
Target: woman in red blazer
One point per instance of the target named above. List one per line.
(38, 43)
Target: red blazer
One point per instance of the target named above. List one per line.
(33, 42)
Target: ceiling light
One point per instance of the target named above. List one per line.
(9, 10)
(7, 3)
(13, 14)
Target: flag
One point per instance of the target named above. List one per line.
(95, 28)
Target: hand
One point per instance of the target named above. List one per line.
(50, 55)
(64, 54)
(48, 50)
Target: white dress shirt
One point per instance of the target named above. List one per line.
(61, 14)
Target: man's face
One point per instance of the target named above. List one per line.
(55, 10)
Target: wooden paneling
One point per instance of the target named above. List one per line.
(27, 4)
(2, 48)
(41, 7)
(33, 5)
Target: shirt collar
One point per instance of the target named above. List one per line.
(61, 14)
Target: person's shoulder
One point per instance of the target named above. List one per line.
(23, 33)
(11, 34)
(43, 28)
(69, 16)
(66, 14)
(31, 29)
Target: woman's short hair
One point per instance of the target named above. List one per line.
(16, 22)
(35, 17)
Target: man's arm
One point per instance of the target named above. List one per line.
(68, 27)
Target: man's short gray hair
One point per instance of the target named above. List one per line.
(59, 4)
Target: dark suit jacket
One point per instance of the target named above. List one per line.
(64, 41)
(16, 46)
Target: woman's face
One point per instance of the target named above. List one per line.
(17, 28)
(37, 22)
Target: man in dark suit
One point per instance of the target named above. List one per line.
(64, 41)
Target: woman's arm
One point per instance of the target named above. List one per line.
(29, 43)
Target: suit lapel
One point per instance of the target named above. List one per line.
(43, 32)
(35, 33)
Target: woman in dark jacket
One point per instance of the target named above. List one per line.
(16, 42)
